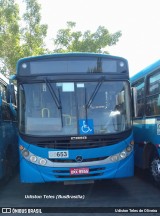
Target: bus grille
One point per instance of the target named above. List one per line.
(74, 161)
(77, 144)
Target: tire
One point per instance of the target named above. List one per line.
(155, 169)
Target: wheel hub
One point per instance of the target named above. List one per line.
(155, 168)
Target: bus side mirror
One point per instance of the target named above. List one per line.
(134, 101)
(11, 97)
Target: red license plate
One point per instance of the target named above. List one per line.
(79, 171)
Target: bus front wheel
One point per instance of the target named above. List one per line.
(155, 169)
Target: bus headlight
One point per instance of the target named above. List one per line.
(25, 153)
(123, 154)
(114, 158)
(29, 156)
(33, 158)
(129, 148)
(42, 161)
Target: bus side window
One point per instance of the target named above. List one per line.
(140, 98)
(153, 94)
(3, 93)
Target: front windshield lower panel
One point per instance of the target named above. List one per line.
(74, 108)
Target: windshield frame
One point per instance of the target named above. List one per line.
(88, 101)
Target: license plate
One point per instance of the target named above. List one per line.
(79, 171)
(58, 154)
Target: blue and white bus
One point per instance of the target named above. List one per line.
(8, 130)
(147, 119)
(74, 114)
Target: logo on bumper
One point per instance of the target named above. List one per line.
(79, 159)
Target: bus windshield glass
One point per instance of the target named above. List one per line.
(50, 108)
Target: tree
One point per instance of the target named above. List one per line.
(9, 35)
(17, 42)
(34, 33)
(68, 40)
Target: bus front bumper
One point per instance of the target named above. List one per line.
(33, 173)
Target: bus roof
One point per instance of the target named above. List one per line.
(145, 71)
(78, 54)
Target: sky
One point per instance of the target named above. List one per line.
(138, 20)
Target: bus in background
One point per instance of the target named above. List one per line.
(146, 122)
(8, 130)
(74, 118)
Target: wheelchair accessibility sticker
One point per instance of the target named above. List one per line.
(86, 126)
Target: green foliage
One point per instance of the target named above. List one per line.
(68, 40)
(9, 34)
(17, 42)
(33, 34)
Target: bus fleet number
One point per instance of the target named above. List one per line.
(58, 154)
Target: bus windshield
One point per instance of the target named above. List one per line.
(48, 108)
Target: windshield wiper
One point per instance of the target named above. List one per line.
(53, 94)
(94, 93)
(55, 98)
